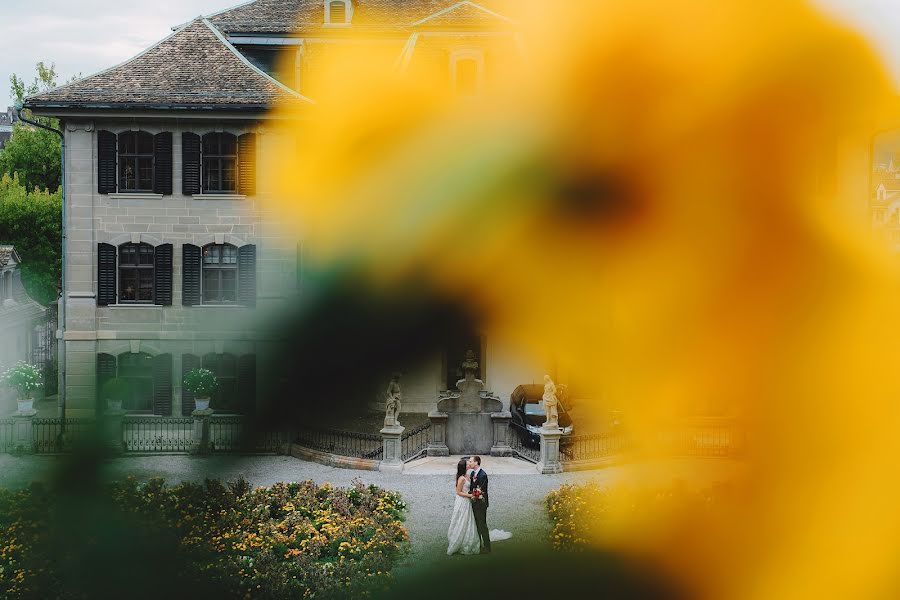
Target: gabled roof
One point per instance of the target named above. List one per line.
(293, 16)
(8, 252)
(193, 68)
(462, 15)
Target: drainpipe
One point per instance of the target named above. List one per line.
(61, 315)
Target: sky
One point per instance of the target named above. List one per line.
(86, 36)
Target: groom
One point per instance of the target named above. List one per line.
(479, 479)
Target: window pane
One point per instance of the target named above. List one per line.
(127, 173)
(127, 254)
(229, 285)
(146, 285)
(211, 143)
(145, 173)
(229, 254)
(128, 284)
(211, 254)
(467, 76)
(210, 285)
(229, 144)
(211, 178)
(127, 144)
(145, 143)
(229, 182)
(145, 255)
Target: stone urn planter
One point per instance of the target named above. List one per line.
(25, 379)
(114, 406)
(201, 403)
(202, 383)
(26, 405)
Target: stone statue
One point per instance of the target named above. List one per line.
(551, 403)
(392, 404)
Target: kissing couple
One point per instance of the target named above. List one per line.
(468, 532)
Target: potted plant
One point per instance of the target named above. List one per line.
(115, 391)
(25, 378)
(202, 384)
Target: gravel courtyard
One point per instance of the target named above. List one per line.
(516, 498)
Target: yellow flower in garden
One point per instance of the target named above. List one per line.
(681, 192)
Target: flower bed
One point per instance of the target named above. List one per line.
(289, 540)
(583, 515)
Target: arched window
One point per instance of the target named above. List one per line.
(220, 273)
(136, 369)
(220, 163)
(467, 72)
(135, 161)
(224, 366)
(337, 12)
(136, 273)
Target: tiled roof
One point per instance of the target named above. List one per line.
(291, 16)
(195, 67)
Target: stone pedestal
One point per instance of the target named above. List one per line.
(468, 416)
(200, 431)
(437, 443)
(549, 462)
(23, 431)
(500, 423)
(392, 459)
(112, 430)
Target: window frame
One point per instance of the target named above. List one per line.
(348, 13)
(138, 268)
(144, 356)
(221, 158)
(214, 362)
(474, 56)
(219, 267)
(137, 156)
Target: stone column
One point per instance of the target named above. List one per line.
(550, 451)
(500, 426)
(113, 430)
(23, 431)
(392, 460)
(200, 431)
(437, 443)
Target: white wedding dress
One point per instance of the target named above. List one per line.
(462, 536)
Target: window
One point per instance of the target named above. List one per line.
(136, 273)
(135, 162)
(467, 76)
(224, 366)
(337, 12)
(137, 371)
(219, 163)
(220, 271)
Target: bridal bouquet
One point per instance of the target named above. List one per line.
(476, 494)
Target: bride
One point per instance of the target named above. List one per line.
(462, 535)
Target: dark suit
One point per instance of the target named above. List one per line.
(479, 508)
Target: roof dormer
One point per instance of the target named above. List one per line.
(338, 12)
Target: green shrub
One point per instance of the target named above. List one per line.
(201, 382)
(290, 540)
(25, 378)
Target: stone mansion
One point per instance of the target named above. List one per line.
(171, 246)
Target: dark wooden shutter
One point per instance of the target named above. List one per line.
(106, 370)
(247, 164)
(188, 362)
(246, 384)
(190, 163)
(162, 385)
(163, 274)
(162, 158)
(106, 162)
(247, 275)
(190, 275)
(106, 274)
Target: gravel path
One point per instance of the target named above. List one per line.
(516, 500)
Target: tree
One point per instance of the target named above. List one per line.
(32, 222)
(32, 152)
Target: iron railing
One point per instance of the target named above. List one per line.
(7, 435)
(706, 437)
(519, 439)
(230, 433)
(54, 435)
(591, 446)
(157, 434)
(343, 443)
(414, 442)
